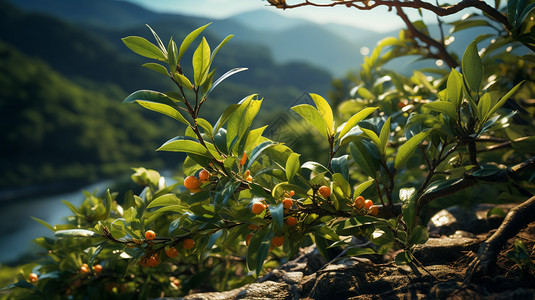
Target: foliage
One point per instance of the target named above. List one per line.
(401, 141)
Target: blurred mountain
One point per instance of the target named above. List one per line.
(330, 47)
(56, 130)
(62, 84)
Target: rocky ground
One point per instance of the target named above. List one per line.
(445, 257)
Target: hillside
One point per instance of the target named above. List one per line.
(288, 40)
(57, 130)
(62, 84)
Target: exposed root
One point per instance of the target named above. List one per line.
(516, 219)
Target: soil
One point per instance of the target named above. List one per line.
(442, 275)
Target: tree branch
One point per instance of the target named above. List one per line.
(469, 180)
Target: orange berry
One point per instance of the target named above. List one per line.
(204, 176)
(287, 203)
(292, 193)
(374, 210)
(243, 158)
(153, 261)
(292, 221)
(258, 208)
(171, 252)
(401, 105)
(150, 235)
(84, 269)
(325, 191)
(176, 282)
(188, 244)
(97, 268)
(143, 261)
(248, 239)
(247, 173)
(277, 241)
(359, 202)
(249, 178)
(33, 277)
(368, 203)
(192, 183)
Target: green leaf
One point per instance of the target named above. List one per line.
(183, 80)
(384, 135)
(502, 101)
(365, 93)
(168, 199)
(364, 159)
(253, 139)
(340, 165)
(341, 182)
(525, 12)
(172, 57)
(156, 67)
(205, 125)
(143, 47)
(447, 108)
(225, 116)
(163, 109)
(157, 38)
(361, 115)
(257, 151)
(484, 106)
(362, 187)
(184, 144)
(455, 87)
(223, 77)
(75, 233)
(219, 47)
(152, 96)
(472, 67)
(313, 116)
(419, 235)
(188, 40)
(512, 11)
(240, 121)
(408, 197)
(403, 258)
(375, 139)
(201, 62)
(382, 235)
(326, 112)
(277, 215)
(107, 203)
(407, 149)
(44, 223)
(258, 248)
(22, 284)
(292, 166)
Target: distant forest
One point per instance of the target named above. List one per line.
(62, 84)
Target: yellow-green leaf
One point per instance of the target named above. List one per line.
(326, 112)
(164, 109)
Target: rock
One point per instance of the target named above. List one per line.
(257, 291)
(474, 219)
(308, 261)
(282, 276)
(268, 290)
(445, 249)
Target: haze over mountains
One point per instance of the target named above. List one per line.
(333, 47)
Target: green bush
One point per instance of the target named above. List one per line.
(249, 202)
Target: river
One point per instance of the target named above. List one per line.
(17, 229)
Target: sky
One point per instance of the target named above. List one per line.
(379, 19)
